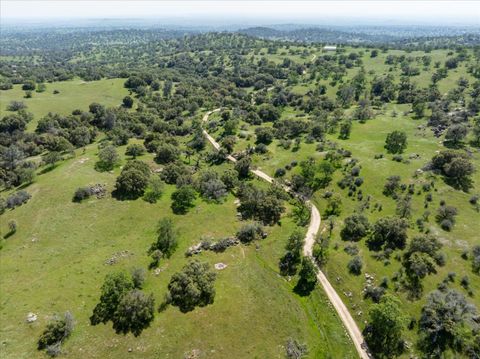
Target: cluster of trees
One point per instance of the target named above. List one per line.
(124, 304)
(256, 203)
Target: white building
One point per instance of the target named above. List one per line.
(330, 48)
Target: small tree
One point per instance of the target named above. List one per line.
(385, 326)
(116, 285)
(250, 232)
(355, 227)
(108, 157)
(133, 180)
(193, 286)
(127, 102)
(12, 226)
(455, 135)
(51, 158)
(167, 238)
(396, 142)
(292, 258)
(355, 265)
(334, 205)
(134, 313)
(135, 150)
(345, 129)
(308, 277)
(182, 199)
(56, 332)
(138, 277)
(243, 167)
(154, 190)
(447, 319)
(167, 153)
(388, 232)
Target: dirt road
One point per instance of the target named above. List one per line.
(313, 228)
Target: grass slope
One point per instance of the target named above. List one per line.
(55, 262)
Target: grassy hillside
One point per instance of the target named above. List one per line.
(75, 94)
(56, 262)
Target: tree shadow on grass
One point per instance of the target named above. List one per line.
(47, 169)
(103, 167)
(9, 234)
(304, 287)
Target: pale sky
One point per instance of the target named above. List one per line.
(467, 12)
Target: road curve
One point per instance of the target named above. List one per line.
(313, 228)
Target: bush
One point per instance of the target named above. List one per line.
(280, 172)
(154, 190)
(355, 265)
(250, 232)
(374, 293)
(82, 193)
(295, 350)
(138, 277)
(17, 199)
(446, 216)
(182, 199)
(135, 150)
(167, 239)
(108, 158)
(56, 332)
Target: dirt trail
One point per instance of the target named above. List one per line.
(313, 228)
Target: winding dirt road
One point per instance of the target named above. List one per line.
(313, 228)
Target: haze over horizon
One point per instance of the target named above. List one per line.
(216, 13)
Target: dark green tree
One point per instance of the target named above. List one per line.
(396, 142)
(385, 328)
(167, 238)
(193, 286)
(134, 313)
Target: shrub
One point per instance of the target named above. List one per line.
(280, 172)
(82, 193)
(250, 232)
(154, 190)
(135, 150)
(56, 332)
(138, 277)
(17, 199)
(182, 199)
(167, 238)
(108, 157)
(446, 217)
(295, 349)
(355, 265)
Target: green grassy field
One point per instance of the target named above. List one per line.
(56, 262)
(75, 94)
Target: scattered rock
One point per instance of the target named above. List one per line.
(117, 256)
(194, 354)
(220, 266)
(98, 190)
(31, 317)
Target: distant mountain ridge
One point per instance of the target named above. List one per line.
(365, 34)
